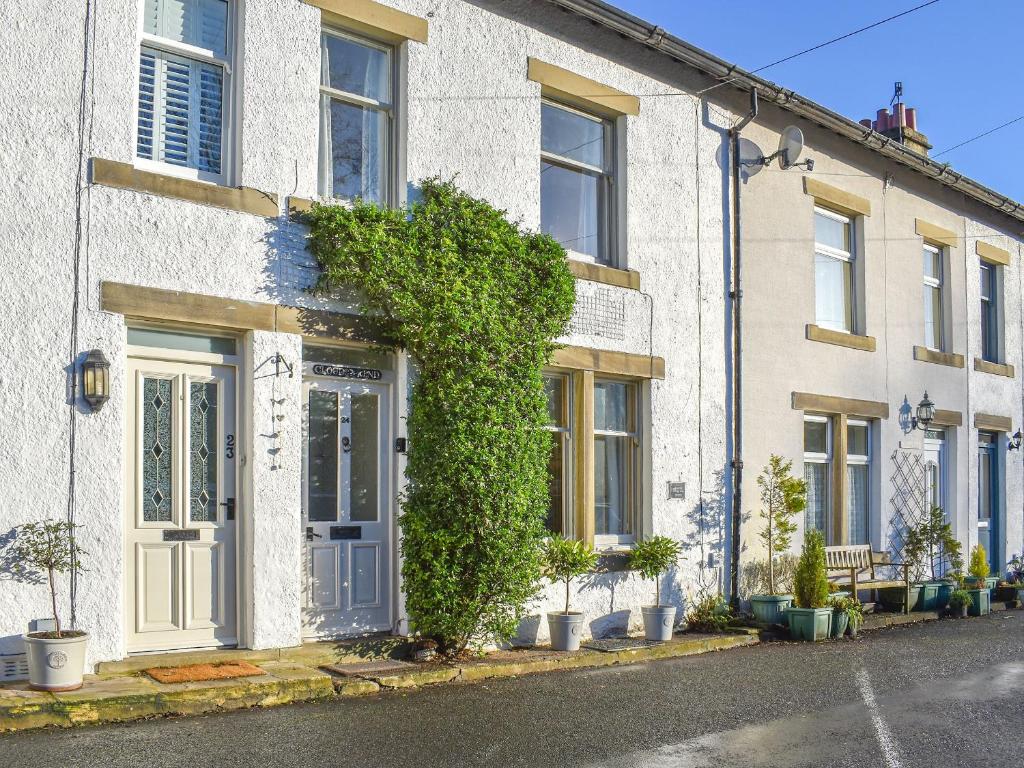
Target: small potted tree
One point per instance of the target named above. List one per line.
(811, 617)
(564, 560)
(782, 498)
(56, 659)
(1015, 575)
(930, 546)
(652, 558)
(977, 582)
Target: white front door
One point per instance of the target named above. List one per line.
(347, 508)
(181, 492)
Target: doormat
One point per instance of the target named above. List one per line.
(194, 673)
(363, 668)
(613, 644)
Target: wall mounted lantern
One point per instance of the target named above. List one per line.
(925, 414)
(96, 379)
(1015, 441)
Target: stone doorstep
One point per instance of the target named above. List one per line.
(109, 698)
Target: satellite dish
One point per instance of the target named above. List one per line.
(751, 157)
(791, 144)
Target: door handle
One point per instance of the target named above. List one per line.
(230, 504)
(311, 534)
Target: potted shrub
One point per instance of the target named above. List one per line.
(1015, 575)
(840, 616)
(854, 617)
(960, 601)
(782, 498)
(652, 558)
(811, 617)
(977, 582)
(709, 614)
(56, 659)
(564, 560)
(930, 546)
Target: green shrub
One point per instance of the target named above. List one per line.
(782, 498)
(810, 583)
(476, 302)
(851, 606)
(931, 543)
(563, 560)
(958, 598)
(979, 563)
(652, 558)
(709, 614)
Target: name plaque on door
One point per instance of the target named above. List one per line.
(192, 535)
(347, 372)
(346, 532)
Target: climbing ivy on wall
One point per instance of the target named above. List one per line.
(476, 301)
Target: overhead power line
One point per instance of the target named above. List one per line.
(819, 46)
(980, 136)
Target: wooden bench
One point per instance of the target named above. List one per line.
(856, 565)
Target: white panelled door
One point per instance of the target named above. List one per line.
(347, 508)
(181, 492)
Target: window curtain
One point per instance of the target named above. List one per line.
(857, 503)
(816, 511)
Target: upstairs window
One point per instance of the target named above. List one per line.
(184, 71)
(834, 271)
(356, 119)
(576, 177)
(933, 298)
(990, 341)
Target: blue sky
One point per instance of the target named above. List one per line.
(958, 60)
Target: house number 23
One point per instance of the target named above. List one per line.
(230, 446)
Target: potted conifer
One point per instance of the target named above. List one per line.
(811, 618)
(652, 558)
(564, 560)
(782, 498)
(56, 659)
(977, 582)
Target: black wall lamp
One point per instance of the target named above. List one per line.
(1014, 442)
(925, 414)
(96, 379)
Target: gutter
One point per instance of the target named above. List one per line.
(640, 31)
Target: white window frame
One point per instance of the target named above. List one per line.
(611, 540)
(990, 300)
(861, 460)
(565, 435)
(825, 458)
(207, 56)
(325, 167)
(607, 215)
(931, 283)
(839, 255)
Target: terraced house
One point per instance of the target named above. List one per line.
(232, 445)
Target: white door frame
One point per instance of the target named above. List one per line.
(241, 554)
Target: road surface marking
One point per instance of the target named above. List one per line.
(885, 737)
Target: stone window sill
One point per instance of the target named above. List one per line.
(110, 173)
(840, 339)
(598, 273)
(997, 369)
(926, 355)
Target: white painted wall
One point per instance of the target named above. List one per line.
(471, 115)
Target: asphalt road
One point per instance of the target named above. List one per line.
(941, 694)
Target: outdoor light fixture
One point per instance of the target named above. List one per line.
(1015, 441)
(96, 379)
(925, 413)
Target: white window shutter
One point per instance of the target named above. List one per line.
(147, 94)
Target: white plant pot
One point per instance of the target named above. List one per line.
(658, 622)
(565, 629)
(56, 664)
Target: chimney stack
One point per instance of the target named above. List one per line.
(900, 126)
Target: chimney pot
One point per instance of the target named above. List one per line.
(912, 119)
(866, 122)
